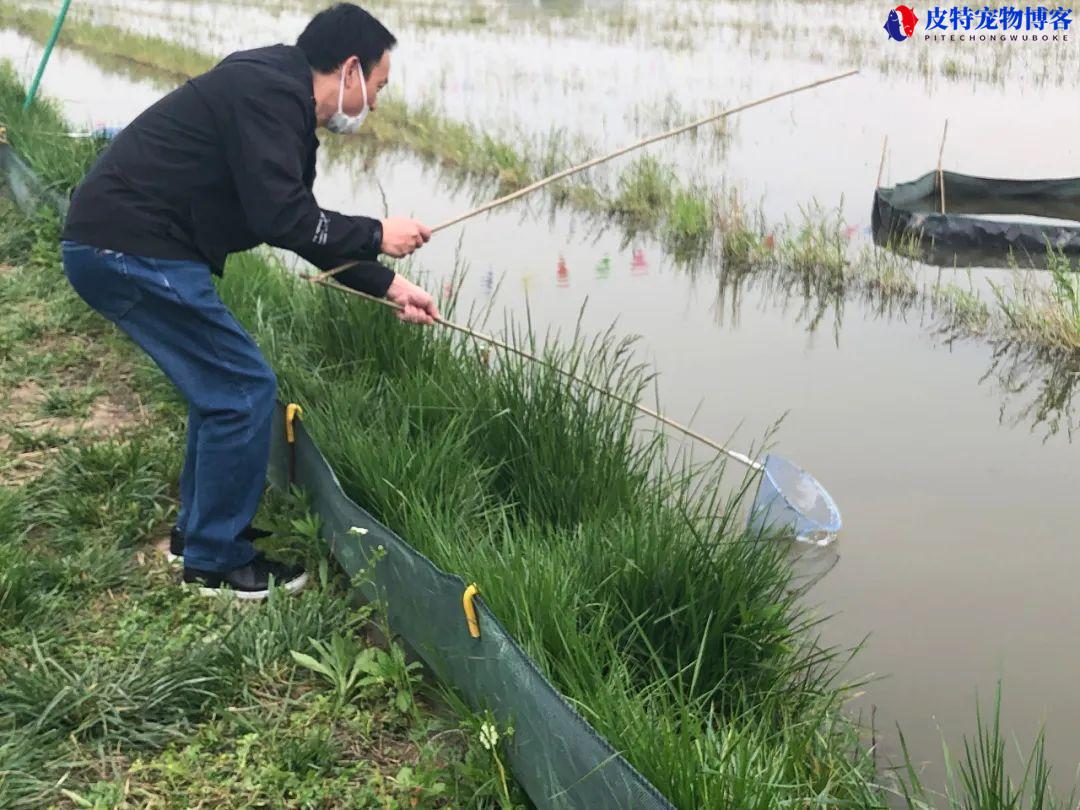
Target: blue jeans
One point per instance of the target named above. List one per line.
(171, 309)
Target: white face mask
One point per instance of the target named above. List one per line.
(341, 123)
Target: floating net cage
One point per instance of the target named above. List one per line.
(986, 222)
(791, 501)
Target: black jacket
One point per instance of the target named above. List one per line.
(222, 164)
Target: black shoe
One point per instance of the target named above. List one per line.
(251, 581)
(176, 540)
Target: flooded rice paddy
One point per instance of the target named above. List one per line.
(953, 462)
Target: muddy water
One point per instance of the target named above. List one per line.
(960, 510)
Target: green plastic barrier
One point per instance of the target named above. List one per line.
(556, 756)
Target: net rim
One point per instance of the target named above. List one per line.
(836, 522)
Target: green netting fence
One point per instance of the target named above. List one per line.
(556, 756)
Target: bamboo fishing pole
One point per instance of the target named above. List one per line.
(735, 454)
(596, 161)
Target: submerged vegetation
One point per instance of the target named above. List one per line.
(625, 575)
(739, 25)
(1048, 317)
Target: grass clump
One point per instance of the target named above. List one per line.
(961, 309)
(817, 253)
(982, 778)
(1046, 316)
(744, 245)
(458, 147)
(690, 224)
(141, 700)
(644, 188)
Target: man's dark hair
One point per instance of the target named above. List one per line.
(342, 31)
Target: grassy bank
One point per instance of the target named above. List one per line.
(121, 688)
(118, 686)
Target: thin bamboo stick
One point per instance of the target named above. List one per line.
(735, 454)
(940, 173)
(881, 166)
(596, 161)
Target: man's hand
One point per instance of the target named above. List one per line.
(417, 305)
(401, 236)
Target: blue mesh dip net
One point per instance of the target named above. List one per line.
(790, 500)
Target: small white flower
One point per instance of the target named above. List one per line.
(489, 736)
(357, 530)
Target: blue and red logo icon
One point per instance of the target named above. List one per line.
(901, 23)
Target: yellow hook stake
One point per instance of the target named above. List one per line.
(470, 611)
(291, 412)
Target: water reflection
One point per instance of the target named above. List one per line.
(966, 249)
(811, 563)
(562, 8)
(1037, 387)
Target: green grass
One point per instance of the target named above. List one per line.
(121, 688)
(961, 309)
(641, 599)
(1046, 316)
(57, 161)
(690, 227)
(642, 189)
(674, 632)
(981, 778)
(817, 253)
